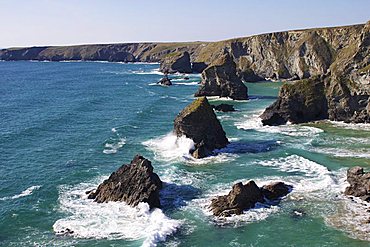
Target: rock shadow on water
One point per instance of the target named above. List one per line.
(241, 147)
(174, 196)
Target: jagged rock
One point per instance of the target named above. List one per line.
(220, 79)
(240, 198)
(243, 197)
(341, 93)
(359, 183)
(132, 183)
(275, 190)
(298, 102)
(176, 62)
(198, 122)
(198, 67)
(165, 81)
(224, 107)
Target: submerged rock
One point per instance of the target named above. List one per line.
(243, 197)
(132, 183)
(224, 107)
(165, 81)
(359, 183)
(198, 122)
(220, 79)
(176, 62)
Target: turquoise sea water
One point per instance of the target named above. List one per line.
(66, 126)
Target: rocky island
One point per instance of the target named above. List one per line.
(198, 122)
(132, 183)
(243, 197)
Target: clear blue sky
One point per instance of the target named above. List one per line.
(66, 22)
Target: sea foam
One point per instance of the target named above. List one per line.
(253, 121)
(113, 220)
(24, 193)
(171, 148)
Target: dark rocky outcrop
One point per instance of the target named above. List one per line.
(224, 107)
(298, 102)
(275, 190)
(132, 183)
(198, 122)
(176, 62)
(243, 197)
(341, 93)
(165, 81)
(198, 67)
(220, 79)
(359, 183)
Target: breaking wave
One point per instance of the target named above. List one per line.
(112, 220)
(24, 193)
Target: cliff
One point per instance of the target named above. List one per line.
(291, 55)
(335, 59)
(340, 93)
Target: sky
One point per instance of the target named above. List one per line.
(68, 22)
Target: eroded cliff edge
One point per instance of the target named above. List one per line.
(333, 62)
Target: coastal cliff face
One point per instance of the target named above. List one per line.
(341, 93)
(336, 60)
(281, 55)
(220, 79)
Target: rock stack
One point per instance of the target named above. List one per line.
(220, 79)
(243, 197)
(198, 122)
(132, 183)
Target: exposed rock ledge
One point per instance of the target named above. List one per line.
(220, 79)
(359, 183)
(341, 94)
(132, 183)
(243, 197)
(198, 122)
(176, 62)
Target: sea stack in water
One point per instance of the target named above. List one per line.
(243, 197)
(165, 81)
(132, 183)
(359, 183)
(220, 79)
(176, 62)
(198, 122)
(224, 107)
(298, 102)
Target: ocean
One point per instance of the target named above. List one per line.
(66, 126)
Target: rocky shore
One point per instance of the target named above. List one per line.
(334, 60)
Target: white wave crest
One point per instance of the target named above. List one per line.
(24, 193)
(253, 121)
(310, 180)
(352, 126)
(342, 152)
(112, 220)
(112, 148)
(187, 83)
(352, 216)
(170, 147)
(151, 72)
